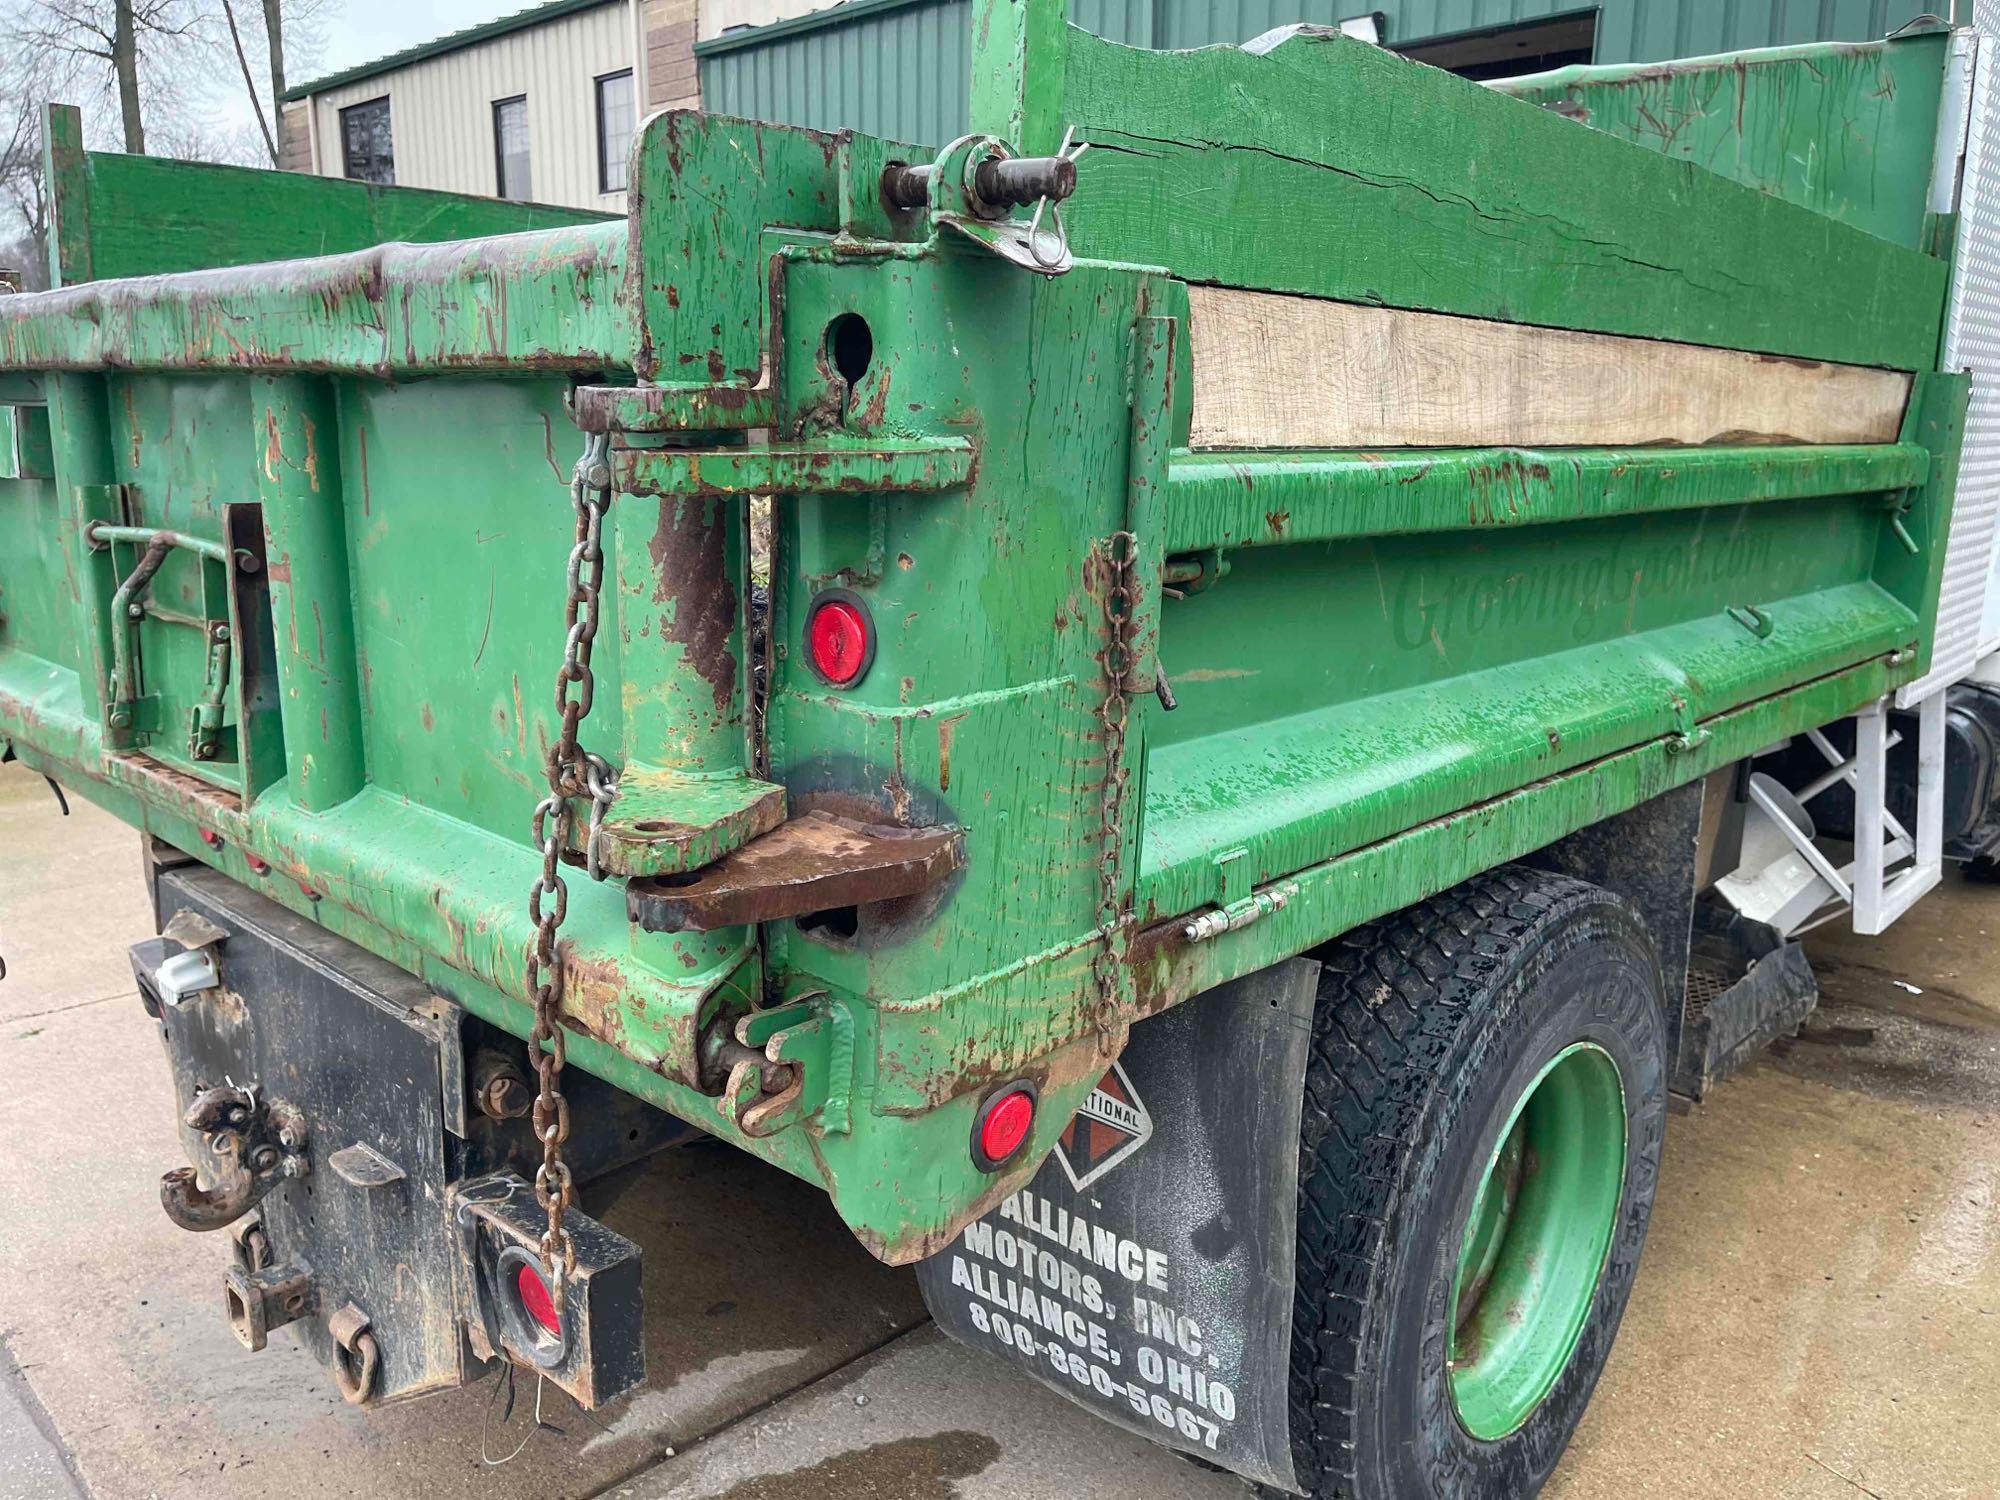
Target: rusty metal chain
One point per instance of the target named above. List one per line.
(573, 772)
(1114, 715)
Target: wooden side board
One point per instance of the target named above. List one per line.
(1277, 371)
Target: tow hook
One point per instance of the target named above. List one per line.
(357, 1361)
(253, 1145)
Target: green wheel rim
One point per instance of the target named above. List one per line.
(1536, 1241)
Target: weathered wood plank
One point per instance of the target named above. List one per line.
(1274, 371)
(1332, 168)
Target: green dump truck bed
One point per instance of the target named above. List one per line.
(1361, 479)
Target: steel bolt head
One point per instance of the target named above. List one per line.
(505, 1098)
(265, 1159)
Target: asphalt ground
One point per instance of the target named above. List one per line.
(1817, 1316)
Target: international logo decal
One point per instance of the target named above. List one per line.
(1109, 1128)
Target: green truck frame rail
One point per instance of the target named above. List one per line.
(1393, 668)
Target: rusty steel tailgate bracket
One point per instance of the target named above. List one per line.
(825, 467)
(811, 863)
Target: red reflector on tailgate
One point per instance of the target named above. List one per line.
(839, 640)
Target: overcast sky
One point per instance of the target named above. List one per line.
(360, 31)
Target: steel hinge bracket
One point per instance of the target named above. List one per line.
(822, 467)
(1252, 908)
(665, 822)
(813, 1039)
(1687, 734)
(812, 863)
(975, 185)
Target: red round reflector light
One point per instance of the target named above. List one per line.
(839, 643)
(1005, 1122)
(536, 1300)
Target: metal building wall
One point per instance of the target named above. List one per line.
(898, 67)
(441, 109)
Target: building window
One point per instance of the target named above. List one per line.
(510, 147)
(614, 130)
(365, 153)
(1509, 51)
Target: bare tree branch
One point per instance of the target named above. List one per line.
(249, 84)
(66, 50)
(274, 45)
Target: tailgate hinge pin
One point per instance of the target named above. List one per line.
(1239, 913)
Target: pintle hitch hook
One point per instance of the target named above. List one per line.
(252, 1146)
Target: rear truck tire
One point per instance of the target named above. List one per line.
(1485, 1103)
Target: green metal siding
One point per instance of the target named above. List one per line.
(897, 68)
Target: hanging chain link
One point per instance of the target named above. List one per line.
(573, 772)
(1114, 714)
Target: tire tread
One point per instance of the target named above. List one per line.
(1393, 996)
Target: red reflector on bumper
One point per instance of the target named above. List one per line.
(1005, 1122)
(535, 1298)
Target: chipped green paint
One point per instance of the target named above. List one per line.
(1846, 130)
(299, 484)
(1393, 669)
(1418, 189)
(541, 300)
(825, 467)
(1257, 499)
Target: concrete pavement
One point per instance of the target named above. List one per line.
(116, 1315)
(33, 1465)
(1817, 1318)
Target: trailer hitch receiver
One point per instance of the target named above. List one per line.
(252, 1146)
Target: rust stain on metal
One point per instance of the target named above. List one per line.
(689, 552)
(274, 448)
(549, 450)
(809, 864)
(1066, 1068)
(947, 728)
(594, 995)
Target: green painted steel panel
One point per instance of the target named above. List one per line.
(1760, 119)
(1409, 187)
(118, 215)
(897, 67)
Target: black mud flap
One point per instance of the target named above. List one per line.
(1146, 1272)
(1747, 986)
